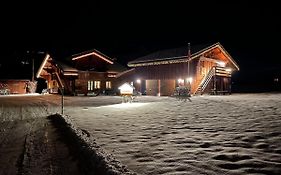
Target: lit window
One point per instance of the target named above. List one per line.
(90, 85)
(108, 84)
(97, 84)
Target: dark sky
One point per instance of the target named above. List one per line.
(249, 30)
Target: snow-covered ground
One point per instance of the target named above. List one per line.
(32, 141)
(236, 134)
(29, 143)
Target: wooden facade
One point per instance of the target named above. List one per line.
(16, 87)
(208, 68)
(87, 73)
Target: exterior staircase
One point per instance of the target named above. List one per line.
(214, 71)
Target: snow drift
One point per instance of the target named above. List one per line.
(92, 158)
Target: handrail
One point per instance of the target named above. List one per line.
(215, 70)
(60, 82)
(208, 78)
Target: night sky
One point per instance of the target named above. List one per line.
(249, 31)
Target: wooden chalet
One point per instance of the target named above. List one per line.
(207, 67)
(86, 73)
(58, 75)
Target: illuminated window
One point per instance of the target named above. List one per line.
(97, 84)
(108, 84)
(90, 85)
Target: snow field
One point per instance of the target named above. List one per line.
(237, 134)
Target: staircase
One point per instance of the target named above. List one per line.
(59, 80)
(214, 71)
(205, 81)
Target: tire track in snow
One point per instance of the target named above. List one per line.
(29, 144)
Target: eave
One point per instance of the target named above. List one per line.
(42, 65)
(183, 59)
(95, 53)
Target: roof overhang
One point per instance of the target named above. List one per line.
(70, 73)
(124, 72)
(182, 59)
(42, 65)
(95, 54)
(228, 56)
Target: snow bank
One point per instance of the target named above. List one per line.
(92, 158)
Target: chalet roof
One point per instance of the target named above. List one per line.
(65, 67)
(116, 67)
(92, 52)
(177, 54)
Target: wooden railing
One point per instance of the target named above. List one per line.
(205, 81)
(61, 85)
(214, 71)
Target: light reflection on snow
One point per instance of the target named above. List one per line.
(19, 95)
(125, 105)
(231, 134)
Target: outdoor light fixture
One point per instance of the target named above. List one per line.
(126, 89)
(221, 63)
(180, 81)
(228, 69)
(189, 80)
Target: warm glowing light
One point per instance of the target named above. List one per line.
(126, 105)
(126, 89)
(70, 74)
(111, 75)
(180, 81)
(138, 81)
(93, 53)
(221, 63)
(228, 69)
(189, 80)
(42, 65)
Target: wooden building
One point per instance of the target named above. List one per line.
(17, 76)
(86, 73)
(207, 67)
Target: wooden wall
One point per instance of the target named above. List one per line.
(164, 87)
(81, 83)
(15, 86)
(152, 87)
(166, 71)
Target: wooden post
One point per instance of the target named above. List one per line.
(32, 69)
(229, 85)
(215, 83)
(62, 100)
(159, 90)
(188, 60)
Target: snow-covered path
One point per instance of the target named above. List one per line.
(29, 143)
(237, 134)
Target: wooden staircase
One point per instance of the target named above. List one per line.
(213, 72)
(63, 83)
